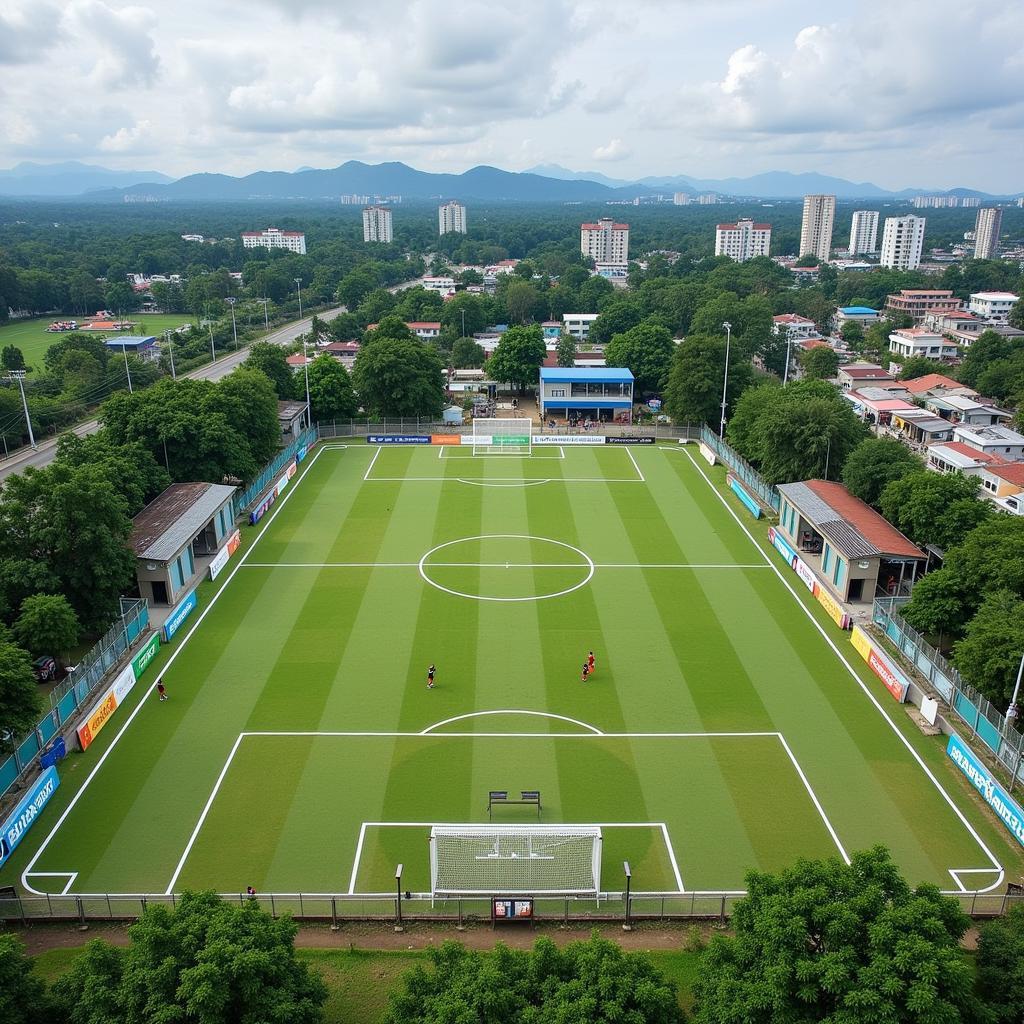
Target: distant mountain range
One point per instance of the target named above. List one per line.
(70, 178)
(544, 183)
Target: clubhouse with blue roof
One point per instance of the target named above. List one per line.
(601, 393)
(135, 345)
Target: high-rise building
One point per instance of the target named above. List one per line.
(743, 240)
(707, 199)
(864, 232)
(902, 242)
(968, 201)
(275, 238)
(986, 232)
(376, 224)
(816, 228)
(606, 242)
(451, 217)
(681, 198)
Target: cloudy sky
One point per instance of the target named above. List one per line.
(923, 93)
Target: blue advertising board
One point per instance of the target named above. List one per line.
(179, 615)
(1006, 808)
(23, 817)
(741, 493)
(781, 546)
(398, 439)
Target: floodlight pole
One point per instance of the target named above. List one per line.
(19, 376)
(725, 381)
(213, 351)
(627, 925)
(170, 349)
(398, 899)
(1012, 712)
(785, 374)
(231, 300)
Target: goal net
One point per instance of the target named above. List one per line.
(502, 437)
(513, 860)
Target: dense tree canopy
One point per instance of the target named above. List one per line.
(47, 624)
(934, 508)
(518, 357)
(874, 464)
(989, 654)
(1001, 965)
(399, 377)
(647, 351)
(23, 997)
(20, 703)
(820, 363)
(271, 361)
(330, 390)
(696, 378)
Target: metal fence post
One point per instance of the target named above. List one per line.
(334, 913)
(82, 926)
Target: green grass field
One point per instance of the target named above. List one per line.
(301, 751)
(33, 340)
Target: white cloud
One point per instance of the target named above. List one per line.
(614, 149)
(118, 39)
(136, 138)
(27, 29)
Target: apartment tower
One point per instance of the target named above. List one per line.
(451, 217)
(376, 224)
(987, 226)
(816, 228)
(902, 242)
(743, 240)
(606, 242)
(864, 232)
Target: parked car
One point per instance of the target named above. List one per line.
(46, 669)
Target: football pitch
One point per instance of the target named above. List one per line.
(725, 727)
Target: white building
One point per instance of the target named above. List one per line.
(935, 202)
(451, 217)
(902, 242)
(707, 199)
(908, 342)
(797, 328)
(994, 440)
(864, 232)
(275, 238)
(816, 227)
(743, 240)
(681, 199)
(192, 238)
(578, 324)
(441, 285)
(376, 224)
(605, 242)
(993, 306)
(970, 201)
(987, 226)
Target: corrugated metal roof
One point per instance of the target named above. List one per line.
(581, 375)
(174, 517)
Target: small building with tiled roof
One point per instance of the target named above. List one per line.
(855, 553)
(933, 381)
(855, 375)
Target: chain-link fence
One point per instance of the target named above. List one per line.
(744, 471)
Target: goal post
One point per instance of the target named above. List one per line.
(514, 860)
(502, 436)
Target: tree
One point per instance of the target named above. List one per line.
(874, 464)
(917, 366)
(987, 348)
(989, 654)
(205, 960)
(12, 358)
(20, 704)
(566, 349)
(828, 941)
(23, 997)
(694, 390)
(47, 625)
(820, 363)
(330, 390)
(521, 300)
(1000, 963)
(647, 351)
(399, 377)
(594, 982)
(741, 431)
(617, 317)
(468, 354)
(934, 508)
(518, 356)
(272, 362)
(852, 332)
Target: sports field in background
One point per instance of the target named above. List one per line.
(301, 751)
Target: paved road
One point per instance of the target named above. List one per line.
(45, 452)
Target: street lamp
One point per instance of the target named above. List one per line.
(170, 351)
(231, 300)
(1012, 712)
(398, 899)
(19, 376)
(298, 288)
(627, 925)
(127, 369)
(266, 318)
(789, 341)
(725, 382)
(213, 351)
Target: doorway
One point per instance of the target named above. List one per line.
(856, 590)
(159, 592)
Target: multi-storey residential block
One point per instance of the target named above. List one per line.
(816, 227)
(987, 226)
(376, 224)
(605, 242)
(451, 217)
(902, 242)
(743, 240)
(918, 302)
(993, 306)
(681, 199)
(274, 238)
(864, 232)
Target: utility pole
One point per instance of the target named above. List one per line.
(213, 351)
(298, 288)
(785, 374)
(231, 300)
(170, 352)
(127, 369)
(266, 317)
(19, 376)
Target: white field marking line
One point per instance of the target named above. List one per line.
(170, 661)
(376, 455)
(69, 875)
(503, 483)
(499, 565)
(814, 799)
(511, 711)
(632, 458)
(672, 857)
(357, 858)
(202, 817)
(857, 679)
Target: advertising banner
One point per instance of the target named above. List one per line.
(234, 542)
(741, 492)
(293, 468)
(148, 652)
(709, 456)
(398, 439)
(569, 439)
(282, 482)
(803, 570)
(301, 453)
(446, 439)
(221, 558)
(261, 509)
(881, 664)
(100, 713)
(781, 546)
(23, 817)
(179, 615)
(1007, 809)
(832, 607)
(629, 440)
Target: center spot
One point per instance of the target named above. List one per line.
(506, 567)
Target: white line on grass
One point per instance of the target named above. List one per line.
(672, 857)
(857, 679)
(510, 711)
(376, 455)
(499, 565)
(170, 661)
(69, 875)
(356, 859)
(632, 458)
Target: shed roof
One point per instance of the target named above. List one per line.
(583, 375)
(174, 517)
(290, 410)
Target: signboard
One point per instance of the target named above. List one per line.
(149, 651)
(398, 439)
(505, 909)
(832, 607)
(708, 454)
(446, 439)
(104, 708)
(569, 439)
(881, 664)
(179, 615)
(1006, 808)
(301, 453)
(781, 546)
(629, 440)
(930, 709)
(23, 817)
(741, 492)
(221, 558)
(803, 570)
(234, 542)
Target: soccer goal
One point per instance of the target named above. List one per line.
(514, 860)
(502, 437)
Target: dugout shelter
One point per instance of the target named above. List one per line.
(177, 535)
(602, 393)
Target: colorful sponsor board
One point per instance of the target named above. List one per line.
(881, 664)
(23, 817)
(261, 509)
(398, 439)
(148, 652)
(832, 607)
(234, 542)
(824, 598)
(629, 440)
(301, 453)
(221, 558)
(501, 440)
(569, 439)
(179, 615)
(803, 570)
(741, 492)
(1006, 808)
(709, 456)
(101, 711)
(446, 439)
(780, 545)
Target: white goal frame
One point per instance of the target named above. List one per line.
(512, 436)
(544, 835)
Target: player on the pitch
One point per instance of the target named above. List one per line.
(430, 677)
(586, 672)
(590, 662)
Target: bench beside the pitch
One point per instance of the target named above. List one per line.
(499, 797)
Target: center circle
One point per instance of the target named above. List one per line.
(445, 557)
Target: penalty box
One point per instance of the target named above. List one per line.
(336, 812)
